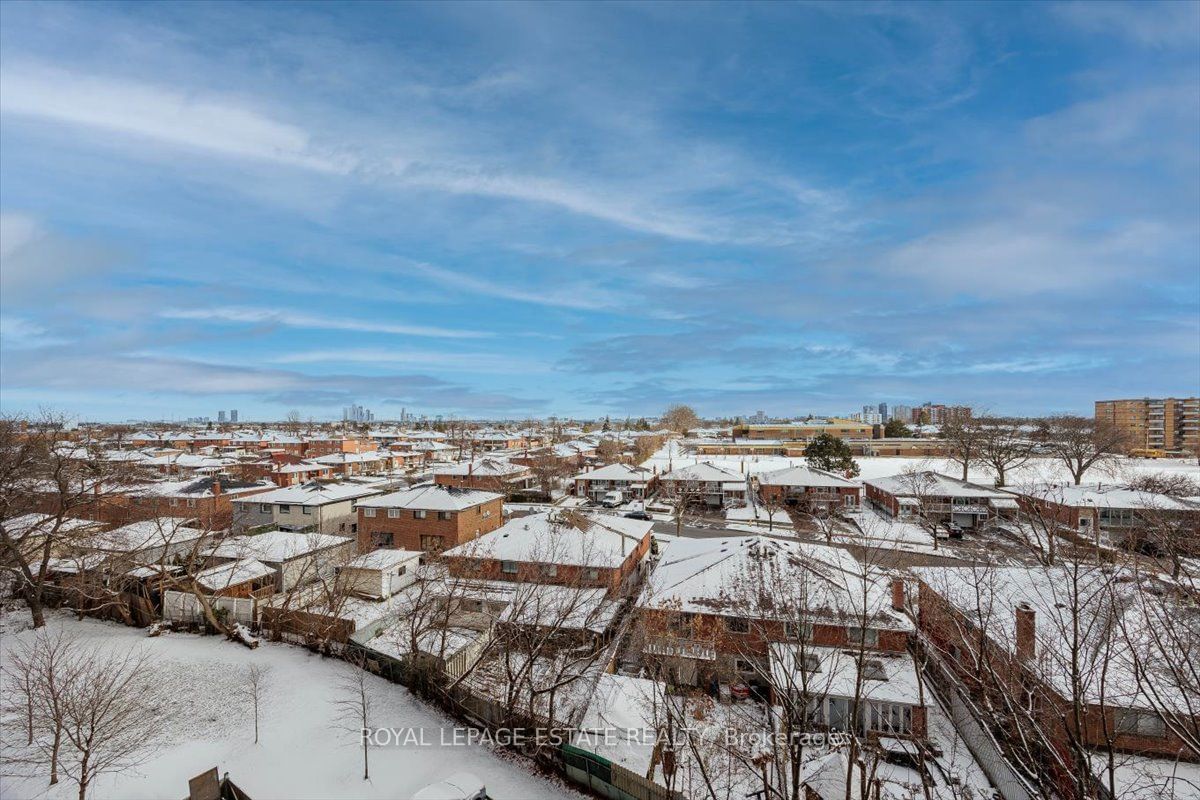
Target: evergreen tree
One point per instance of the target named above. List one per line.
(831, 454)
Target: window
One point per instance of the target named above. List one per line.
(797, 631)
(681, 624)
(380, 539)
(873, 670)
(742, 665)
(306, 510)
(191, 503)
(1140, 723)
(368, 512)
(810, 663)
(550, 570)
(737, 625)
(592, 574)
(431, 543)
(445, 515)
(509, 567)
(402, 570)
(393, 513)
(864, 636)
(420, 514)
(264, 508)
(487, 514)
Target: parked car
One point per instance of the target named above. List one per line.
(642, 515)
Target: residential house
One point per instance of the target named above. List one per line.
(486, 474)
(296, 558)
(430, 517)
(713, 607)
(807, 488)
(568, 548)
(633, 482)
(939, 498)
(315, 506)
(702, 484)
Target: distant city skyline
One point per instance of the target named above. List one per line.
(591, 209)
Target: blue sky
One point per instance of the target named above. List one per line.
(494, 210)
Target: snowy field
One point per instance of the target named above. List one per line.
(671, 456)
(304, 751)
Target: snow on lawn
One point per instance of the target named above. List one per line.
(671, 456)
(304, 751)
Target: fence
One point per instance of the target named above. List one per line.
(184, 607)
(979, 740)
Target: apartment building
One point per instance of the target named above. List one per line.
(1155, 426)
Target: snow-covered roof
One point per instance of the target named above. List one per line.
(1107, 495)
(276, 546)
(833, 671)
(485, 467)
(232, 573)
(18, 527)
(804, 476)
(704, 472)
(620, 722)
(561, 607)
(931, 483)
(334, 459)
(615, 472)
(1108, 606)
(432, 497)
(765, 578)
(200, 487)
(383, 559)
(138, 536)
(566, 538)
(315, 494)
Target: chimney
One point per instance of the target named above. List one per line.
(216, 485)
(898, 594)
(1026, 632)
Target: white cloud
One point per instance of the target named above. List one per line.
(170, 116)
(294, 319)
(428, 360)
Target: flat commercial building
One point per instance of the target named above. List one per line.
(1165, 424)
(805, 430)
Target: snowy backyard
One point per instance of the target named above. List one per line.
(204, 720)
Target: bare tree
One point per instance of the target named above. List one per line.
(106, 707)
(964, 438)
(1081, 443)
(1005, 444)
(48, 484)
(252, 689)
(680, 418)
(355, 704)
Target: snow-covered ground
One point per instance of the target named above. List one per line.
(304, 752)
(672, 456)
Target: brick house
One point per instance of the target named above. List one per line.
(939, 497)
(702, 484)
(571, 549)
(486, 474)
(209, 500)
(726, 600)
(633, 482)
(1019, 622)
(1111, 508)
(801, 486)
(431, 518)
